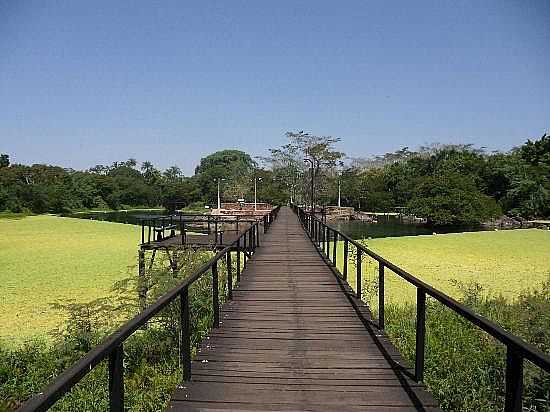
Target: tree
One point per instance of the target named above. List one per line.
(173, 174)
(288, 161)
(4, 160)
(235, 166)
(451, 199)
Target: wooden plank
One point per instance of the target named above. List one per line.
(291, 340)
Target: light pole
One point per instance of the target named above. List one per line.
(256, 179)
(219, 198)
(339, 193)
(312, 185)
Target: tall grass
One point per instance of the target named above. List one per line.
(464, 366)
(151, 355)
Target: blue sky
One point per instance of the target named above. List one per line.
(88, 82)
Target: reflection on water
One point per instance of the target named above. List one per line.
(391, 226)
(131, 216)
(387, 226)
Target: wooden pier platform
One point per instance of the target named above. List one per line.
(290, 340)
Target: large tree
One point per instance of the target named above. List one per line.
(451, 198)
(288, 162)
(4, 160)
(234, 166)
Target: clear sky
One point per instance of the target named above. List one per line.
(88, 82)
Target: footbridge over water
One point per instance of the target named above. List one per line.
(292, 334)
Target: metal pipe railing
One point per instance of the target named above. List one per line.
(112, 346)
(516, 348)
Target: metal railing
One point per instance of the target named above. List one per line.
(153, 229)
(112, 347)
(516, 349)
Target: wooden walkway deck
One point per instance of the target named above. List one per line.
(195, 241)
(291, 340)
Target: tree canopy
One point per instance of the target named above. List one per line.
(447, 184)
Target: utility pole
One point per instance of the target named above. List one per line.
(219, 198)
(339, 193)
(256, 192)
(312, 183)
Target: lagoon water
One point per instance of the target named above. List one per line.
(133, 217)
(387, 226)
(391, 226)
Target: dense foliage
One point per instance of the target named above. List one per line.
(151, 355)
(446, 184)
(43, 188)
(453, 184)
(465, 368)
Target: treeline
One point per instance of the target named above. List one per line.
(454, 184)
(43, 188)
(446, 184)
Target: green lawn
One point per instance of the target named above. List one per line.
(504, 262)
(47, 258)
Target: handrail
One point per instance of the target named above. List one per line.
(156, 225)
(112, 345)
(517, 349)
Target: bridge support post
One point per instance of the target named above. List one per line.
(420, 334)
(514, 381)
(238, 260)
(142, 287)
(315, 232)
(245, 248)
(116, 380)
(345, 261)
(381, 292)
(335, 247)
(358, 274)
(215, 297)
(185, 335)
(229, 276)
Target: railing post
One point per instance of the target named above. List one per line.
(318, 230)
(335, 247)
(358, 274)
(215, 297)
(185, 331)
(315, 232)
(420, 334)
(345, 262)
(245, 248)
(325, 236)
(229, 276)
(116, 379)
(329, 235)
(381, 295)
(238, 260)
(514, 381)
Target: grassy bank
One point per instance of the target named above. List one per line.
(48, 258)
(503, 262)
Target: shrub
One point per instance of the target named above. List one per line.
(465, 367)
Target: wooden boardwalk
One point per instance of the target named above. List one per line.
(290, 340)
